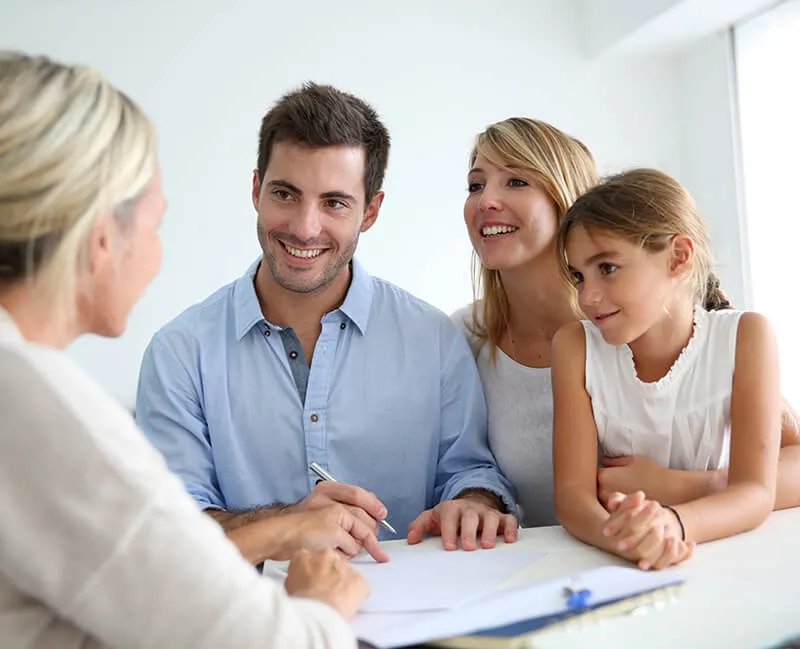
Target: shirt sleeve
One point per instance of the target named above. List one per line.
(170, 412)
(95, 528)
(465, 459)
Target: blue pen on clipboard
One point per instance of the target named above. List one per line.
(324, 475)
(577, 600)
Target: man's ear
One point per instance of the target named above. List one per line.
(681, 258)
(371, 213)
(256, 193)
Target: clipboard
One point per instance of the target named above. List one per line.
(518, 634)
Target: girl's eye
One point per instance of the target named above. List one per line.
(474, 187)
(607, 269)
(517, 182)
(577, 278)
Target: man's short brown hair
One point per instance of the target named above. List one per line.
(319, 116)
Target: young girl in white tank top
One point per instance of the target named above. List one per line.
(661, 368)
(686, 413)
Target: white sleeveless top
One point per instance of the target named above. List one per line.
(681, 421)
(520, 404)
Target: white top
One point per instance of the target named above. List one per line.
(520, 405)
(100, 546)
(683, 420)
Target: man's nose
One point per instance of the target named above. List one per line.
(307, 223)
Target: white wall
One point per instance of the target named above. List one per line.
(696, 35)
(437, 72)
(609, 24)
(710, 156)
(626, 27)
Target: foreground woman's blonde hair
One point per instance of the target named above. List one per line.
(72, 149)
(562, 166)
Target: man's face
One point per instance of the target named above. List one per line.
(311, 211)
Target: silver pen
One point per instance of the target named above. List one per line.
(324, 475)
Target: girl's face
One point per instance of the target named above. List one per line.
(511, 221)
(623, 288)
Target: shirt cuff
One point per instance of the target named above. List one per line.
(509, 506)
(462, 485)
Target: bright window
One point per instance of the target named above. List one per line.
(768, 85)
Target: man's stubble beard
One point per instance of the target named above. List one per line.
(329, 273)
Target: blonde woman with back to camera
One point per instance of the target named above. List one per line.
(99, 544)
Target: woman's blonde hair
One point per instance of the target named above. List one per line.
(649, 209)
(562, 166)
(72, 148)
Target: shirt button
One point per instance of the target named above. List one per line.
(314, 418)
(342, 326)
(266, 333)
(292, 355)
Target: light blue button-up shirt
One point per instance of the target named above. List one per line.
(392, 403)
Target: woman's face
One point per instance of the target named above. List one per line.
(511, 221)
(123, 262)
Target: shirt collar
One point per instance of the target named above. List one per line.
(358, 301)
(246, 309)
(356, 306)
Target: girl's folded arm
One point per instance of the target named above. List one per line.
(755, 441)
(575, 441)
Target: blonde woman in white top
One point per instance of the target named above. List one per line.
(100, 546)
(523, 176)
(662, 369)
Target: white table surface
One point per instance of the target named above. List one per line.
(742, 592)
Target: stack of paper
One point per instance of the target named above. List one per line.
(431, 580)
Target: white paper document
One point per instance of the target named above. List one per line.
(431, 580)
(389, 630)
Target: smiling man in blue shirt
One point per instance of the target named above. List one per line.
(307, 358)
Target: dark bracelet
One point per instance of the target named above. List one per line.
(680, 522)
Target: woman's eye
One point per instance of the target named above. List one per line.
(607, 269)
(517, 182)
(474, 187)
(577, 277)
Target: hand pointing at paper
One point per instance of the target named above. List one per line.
(472, 517)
